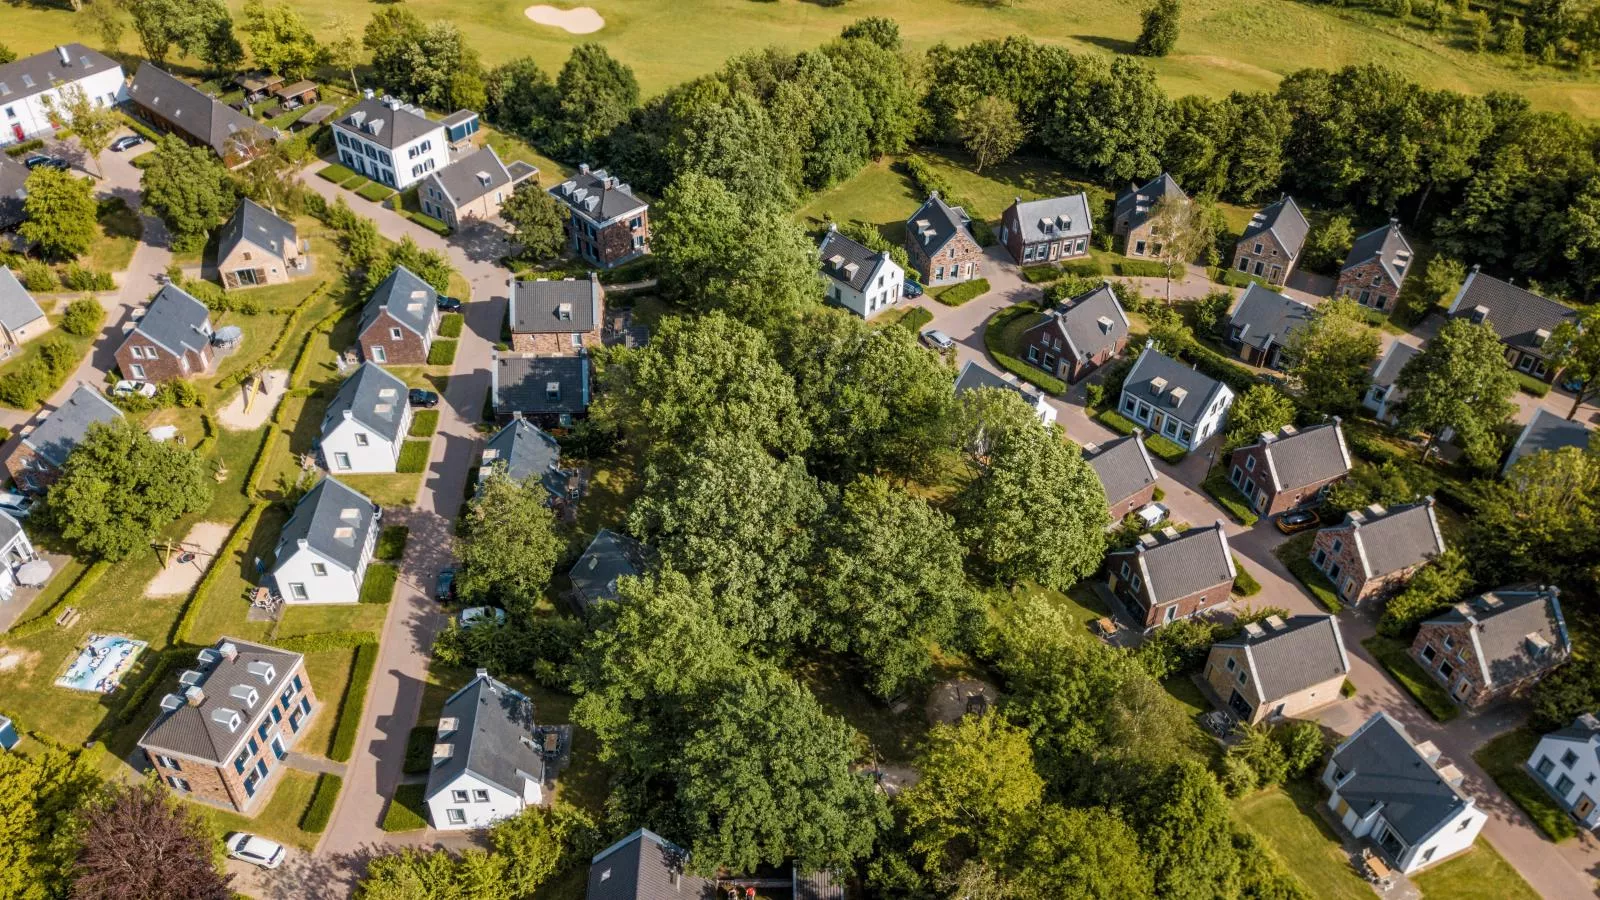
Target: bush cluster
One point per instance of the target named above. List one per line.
(29, 383)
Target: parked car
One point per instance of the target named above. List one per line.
(1298, 520)
(937, 339)
(1572, 383)
(422, 398)
(17, 505)
(126, 142)
(1152, 514)
(49, 162)
(258, 851)
(912, 289)
(128, 388)
(472, 615)
(449, 304)
(446, 588)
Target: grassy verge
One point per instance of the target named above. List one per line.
(1244, 584)
(375, 192)
(413, 457)
(1479, 874)
(957, 294)
(355, 697)
(1295, 556)
(442, 353)
(419, 749)
(1286, 820)
(378, 586)
(911, 318)
(407, 811)
(450, 325)
(424, 422)
(335, 173)
(1000, 337)
(279, 820)
(1393, 656)
(1229, 498)
(1503, 758)
(320, 810)
(392, 542)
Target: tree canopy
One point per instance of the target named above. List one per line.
(1330, 357)
(1460, 381)
(60, 212)
(188, 188)
(132, 826)
(506, 542)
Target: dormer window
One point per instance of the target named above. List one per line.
(552, 391)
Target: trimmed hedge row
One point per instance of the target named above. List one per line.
(16, 150)
(343, 742)
(1042, 274)
(1295, 556)
(424, 422)
(1393, 656)
(191, 606)
(47, 619)
(282, 340)
(1139, 268)
(323, 641)
(335, 173)
(141, 129)
(1165, 448)
(323, 798)
(378, 585)
(302, 363)
(1244, 584)
(419, 749)
(413, 457)
(1531, 385)
(392, 542)
(994, 332)
(405, 812)
(442, 353)
(928, 181)
(961, 293)
(1229, 498)
(451, 324)
(163, 664)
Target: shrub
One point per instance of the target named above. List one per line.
(998, 338)
(71, 595)
(1236, 776)
(413, 457)
(450, 326)
(955, 295)
(1115, 421)
(343, 742)
(375, 192)
(154, 677)
(36, 276)
(29, 383)
(1261, 750)
(82, 317)
(1084, 268)
(1139, 268)
(1303, 746)
(392, 542)
(78, 278)
(1042, 274)
(1094, 395)
(1168, 451)
(442, 353)
(424, 422)
(322, 641)
(419, 749)
(407, 811)
(1532, 385)
(209, 293)
(16, 150)
(323, 798)
(378, 585)
(1178, 648)
(1348, 689)
(1229, 498)
(1244, 584)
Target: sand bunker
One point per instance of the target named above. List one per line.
(235, 418)
(180, 576)
(582, 20)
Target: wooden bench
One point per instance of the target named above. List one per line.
(67, 617)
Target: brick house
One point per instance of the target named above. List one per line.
(1278, 669)
(223, 736)
(941, 245)
(1041, 231)
(36, 458)
(1172, 576)
(550, 391)
(171, 340)
(1079, 336)
(257, 247)
(607, 225)
(1523, 320)
(1271, 243)
(1494, 646)
(177, 107)
(1260, 325)
(1131, 216)
(472, 188)
(556, 318)
(1126, 473)
(1375, 268)
(1373, 553)
(399, 321)
(1285, 470)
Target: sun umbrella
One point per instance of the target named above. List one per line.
(34, 573)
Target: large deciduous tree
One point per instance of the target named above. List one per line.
(41, 795)
(520, 96)
(279, 38)
(1159, 33)
(1542, 522)
(120, 487)
(188, 189)
(60, 212)
(978, 788)
(142, 842)
(506, 542)
(537, 221)
(1577, 355)
(1460, 381)
(990, 131)
(1331, 355)
(1263, 409)
(1082, 854)
(595, 93)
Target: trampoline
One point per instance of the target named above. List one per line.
(100, 664)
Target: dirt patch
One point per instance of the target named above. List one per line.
(582, 20)
(179, 576)
(951, 700)
(234, 417)
(12, 660)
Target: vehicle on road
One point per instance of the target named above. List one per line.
(128, 388)
(912, 289)
(937, 339)
(446, 588)
(449, 304)
(1298, 520)
(472, 615)
(126, 142)
(257, 851)
(17, 505)
(1152, 514)
(39, 160)
(422, 398)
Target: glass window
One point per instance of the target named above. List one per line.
(480, 796)
(1563, 785)
(1568, 758)
(457, 817)
(319, 569)
(1544, 765)
(458, 796)
(1232, 664)
(1249, 463)
(297, 590)
(239, 761)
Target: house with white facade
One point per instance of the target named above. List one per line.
(366, 423)
(1398, 795)
(391, 142)
(15, 549)
(325, 547)
(859, 279)
(488, 758)
(1384, 395)
(1173, 400)
(34, 89)
(974, 376)
(1567, 763)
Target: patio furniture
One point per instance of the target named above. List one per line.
(67, 617)
(1376, 870)
(1107, 626)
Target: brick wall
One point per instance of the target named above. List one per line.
(1185, 606)
(961, 251)
(165, 366)
(1121, 508)
(613, 244)
(1145, 234)
(1354, 585)
(1370, 279)
(546, 344)
(1256, 483)
(1275, 264)
(30, 470)
(407, 350)
(1222, 682)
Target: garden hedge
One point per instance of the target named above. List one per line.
(392, 542)
(1244, 584)
(442, 353)
(1042, 274)
(994, 341)
(1393, 655)
(450, 325)
(1295, 556)
(413, 457)
(154, 676)
(343, 742)
(1139, 268)
(1229, 498)
(375, 192)
(323, 798)
(419, 749)
(323, 641)
(1532, 385)
(424, 422)
(955, 295)
(191, 606)
(1115, 421)
(1164, 448)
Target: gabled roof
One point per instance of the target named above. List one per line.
(554, 306)
(1264, 318)
(333, 521)
(1389, 540)
(1384, 768)
(1300, 457)
(610, 556)
(492, 741)
(206, 120)
(645, 866)
(1583, 730)
(1547, 431)
(59, 434)
(176, 321)
(1515, 631)
(525, 451)
(1289, 656)
(13, 191)
(1089, 323)
(1516, 315)
(254, 224)
(1155, 378)
(1286, 223)
(477, 175)
(849, 261)
(1052, 218)
(9, 529)
(1123, 465)
(1176, 565)
(406, 297)
(40, 72)
(1387, 370)
(1139, 201)
(1385, 244)
(193, 730)
(373, 398)
(541, 385)
(17, 307)
(974, 376)
(387, 122)
(597, 196)
(935, 223)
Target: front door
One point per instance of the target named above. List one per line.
(16, 131)
(1583, 807)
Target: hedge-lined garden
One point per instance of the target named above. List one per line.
(957, 294)
(343, 743)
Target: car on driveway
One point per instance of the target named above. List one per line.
(912, 289)
(449, 304)
(445, 590)
(1298, 520)
(129, 388)
(422, 398)
(126, 142)
(17, 505)
(48, 162)
(937, 339)
(257, 851)
(472, 615)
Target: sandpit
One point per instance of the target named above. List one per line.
(582, 20)
(233, 416)
(179, 577)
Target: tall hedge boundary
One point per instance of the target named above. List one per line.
(191, 608)
(47, 619)
(343, 743)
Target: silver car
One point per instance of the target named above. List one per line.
(937, 339)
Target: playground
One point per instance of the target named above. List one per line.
(252, 406)
(184, 562)
(100, 663)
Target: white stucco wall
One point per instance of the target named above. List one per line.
(339, 585)
(32, 114)
(477, 813)
(379, 455)
(404, 169)
(1584, 774)
(885, 291)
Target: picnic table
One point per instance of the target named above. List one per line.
(1106, 625)
(1377, 871)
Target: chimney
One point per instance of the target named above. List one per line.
(1428, 751)
(583, 168)
(483, 673)
(1451, 775)
(229, 651)
(1376, 510)
(66, 58)
(1146, 540)
(194, 696)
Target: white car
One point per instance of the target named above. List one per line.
(257, 851)
(17, 505)
(142, 388)
(472, 615)
(1152, 514)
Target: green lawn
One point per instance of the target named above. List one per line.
(1294, 554)
(1395, 659)
(1286, 820)
(1503, 758)
(1480, 874)
(279, 820)
(115, 240)
(407, 811)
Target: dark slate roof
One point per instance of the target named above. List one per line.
(320, 516)
(59, 433)
(974, 376)
(597, 195)
(192, 730)
(1386, 768)
(17, 307)
(459, 117)
(1584, 730)
(204, 119)
(536, 306)
(1388, 246)
(38, 73)
(408, 299)
(372, 397)
(1139, 201)
(1124, 467)
(13, 191)
(1153, 364)
(386, 122)
(1289, 656)
(1178, 566)
(1517, 631)
(9, 528)
(642, 866)
(936, 222)
(1387, 371)
(493, 739)
(1515, 314)
(259, 226)
(1264, 318)
(849, 261)
(471, 177)
(1053, 218)
(1547, 431)
(1286, 222)
(522, 384)
(525, 451)
(610, 556)
(176, 321)
(1305, 456)
(1089, 323)
(823, 885)
(1395, 539)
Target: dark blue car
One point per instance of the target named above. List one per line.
(912, 289)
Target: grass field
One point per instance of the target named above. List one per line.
(1285, 818)
(1503, 758)
(1482, 874)
(1395, 659)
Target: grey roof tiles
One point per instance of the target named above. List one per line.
(493, 738)
(1053, 218)
(645, 866)
(1503, 621)
(386, 122)
(407, 298)
(1176, 567)
(610, 556)
(204, 119)
(42, 71)
(176, 321)
(1151, 365)
(525, 451)
(1385, 244)
(59, 434)
(848, 261)
(1264, 318)
(1287, 656)
(1301, 457)
(17, 306)
(1395, 539)
(193, 730)
(1286, 223)
(597, 195)
(333, 520)
(477, 175)
(1547, 431)
(372, 397)
(1517, 315)
(254, 224)
(541, 385)
(13, 191)
(551, 306)
(936, 222)
(1139, 201)
(1124, 467)
(1385, 768)
(1090, 323)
